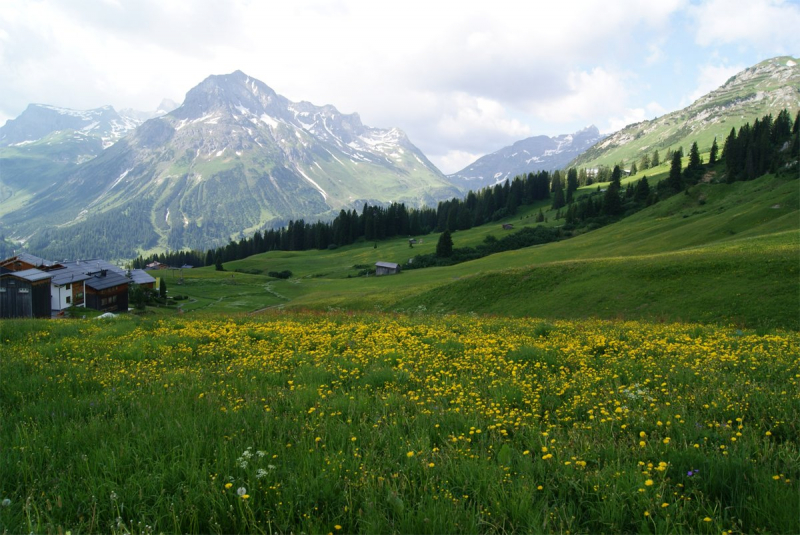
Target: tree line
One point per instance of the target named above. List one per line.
(766, 146)
(376, 223)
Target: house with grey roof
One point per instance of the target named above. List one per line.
(67, 287)
(107, 291)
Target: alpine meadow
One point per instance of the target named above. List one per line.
(250, 314)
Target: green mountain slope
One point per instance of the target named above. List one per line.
(723, 253)
(767, 87)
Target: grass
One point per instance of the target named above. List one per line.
(697, 257)
(378, 423)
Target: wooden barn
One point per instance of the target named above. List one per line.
(24, 294)
(386, 268)
(143, 279)
(107, 291)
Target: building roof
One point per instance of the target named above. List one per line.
(96, 264)
(111, 279)
(389, 265)
(140, 276)
(31, 275)
(30, 259)
(68, 274)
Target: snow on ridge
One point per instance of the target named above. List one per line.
(319, 189)
(241, 109)
(117, 181)
(270, 121)
(334, 156)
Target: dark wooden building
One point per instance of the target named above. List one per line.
(386, 268)
(24, 294)
(25, 261)
(107, 291)
(143, 279)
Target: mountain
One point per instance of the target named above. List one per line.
(40, 122)
(767, 87)
(45, 142)
(233, 158)
(531, 154)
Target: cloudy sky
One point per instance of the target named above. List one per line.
(462, 79)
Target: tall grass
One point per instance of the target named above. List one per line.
(324, 423)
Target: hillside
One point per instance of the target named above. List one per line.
(695, 257)
(767, 87)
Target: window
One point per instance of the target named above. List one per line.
(67, 288)
(68, 299)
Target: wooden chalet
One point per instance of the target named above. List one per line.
(25, 261)
(107, 291)
(508, 226)
(142, 278)
(386, 268)
(24, 293)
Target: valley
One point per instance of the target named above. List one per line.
(637, 372)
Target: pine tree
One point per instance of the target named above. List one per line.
(642, 190)
(612, 204)
(712, 157)
(694, 157)
(675, 179)
(444, 247)
(645, 162)
(558, 191)
(616, 176)
(654, 161)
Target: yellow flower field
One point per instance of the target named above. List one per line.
(320, 422)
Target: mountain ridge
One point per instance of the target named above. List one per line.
(767, 87)
(233, 158)
(535, 153)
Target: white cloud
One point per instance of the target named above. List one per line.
(634, 115)
(771, 25)
(589, 94)
(460, 81)
(709, 78)
(454, 160)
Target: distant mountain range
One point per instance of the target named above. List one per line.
(531, 154)
(233, 158)
(236, 157)
(765, 88)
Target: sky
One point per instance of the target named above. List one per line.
(462, 79)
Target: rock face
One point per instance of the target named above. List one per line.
(234, 157)
(767, 87)
(531, 154)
